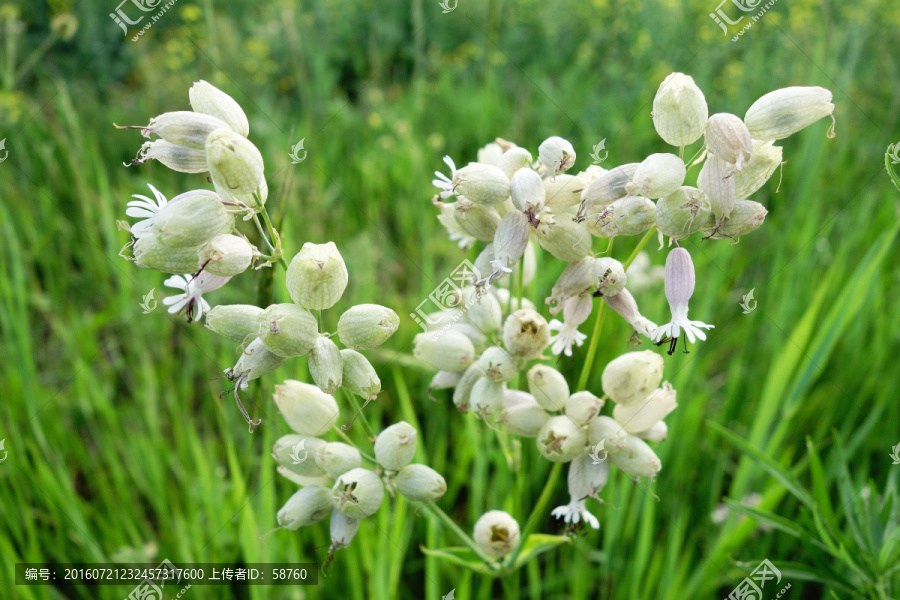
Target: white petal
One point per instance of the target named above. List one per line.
(179, 304)
(169, 300)
(176, 281)
(449, 162)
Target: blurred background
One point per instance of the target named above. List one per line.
(120, 447)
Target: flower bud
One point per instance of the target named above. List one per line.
(766, 158)
(526, 334)
(486, 398)
(336, 458)
(317, 276)
(610, 276)
(326, 366)
(746, 216)
(556, 154)
(587, 478)
(296, 453)
(475, 334)
(490, 153)
(184, 128)
(643, 415)
(548, 386)
(307, 506)
(716, 179)
(191, 219)
(358, 493)
(607, 188)
(396, 446)
(728, 138)
(636, 458)
(510, 240)
(514, 159)
(210, 100)
(463, 391)
(482, 184)
(452, 351)
(561, 440)
(178, 158)
(359, 376)
(565, 239)
(657, 176)
(496, 534)
(576, 279)
(682, 213)
(447, 218)
(234, 321)
(630, 215)
(498, 365)
(367, 325)
(307, 409)
(235, 166)
(150, 253)
(226, 255)
(255, 361)
(476, 220)
(482, 310)
(521, 414)
(302, 480)
(679, 110)
(444, 380)
(505, 299)
(342, 529)
(657, 433)
(288, 330)
(780, 113)
(420, 483)
(527, 191)
(631, 377)
(624, 304)
(563, 191)
(583, 406)
(607, 430)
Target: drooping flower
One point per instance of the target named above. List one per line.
(679, 289)
(193, 287)
(145, 208)
(586, 479)
(574, 512)
(444, 183)
(577, 310)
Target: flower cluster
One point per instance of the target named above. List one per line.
(331, 474)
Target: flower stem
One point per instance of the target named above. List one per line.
(537, 513)
(639, 247)
(592, 349)
(274, 235)
(462, 535)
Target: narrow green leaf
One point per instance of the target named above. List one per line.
(462, 557)
(538, 543)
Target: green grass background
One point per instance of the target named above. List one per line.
(120, 447)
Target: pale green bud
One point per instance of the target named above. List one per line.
(255, 361)
(359, 376)
(679, 110)
(178, 158)
(746, 216)
(336, 458)
(482, 310)
(184, 128)
(643, 415)
(235, 166)
(452, 351)
(583, 406)
(307, 409)
(396, 446)
(556, 154)
(486, 398)
(234, 321)
(367, 325)
(577, 278)
(548, 386)
(657, 176)
(208, 99)
(766, 158)
(610, 276)
(630, 215)
(607, 430)
(526, 334)
(527, 191)
(444, 380)
(716, 179)
(481, 184)
(682, 213)
(498, 365)
(563, 191)
(476, 220)
(325, 364)
(564, 238)
(780, 113)
(303, 481)
(475, 334)
(343, 529)
(632, 377)
(490, 153)
(358, 493)
(288, 330)
(510, 241)
(463, 392)
(226, 255)
(561, 440)
(317, 276)
(504, 298)
(307, 506)
(657, 433)
(496, 534)
(296, 453)
(728, 138)
(607, 188)
(447, 218)
(521, 414)
(150, 253)
(514, 159)
(420, 483)
(192, 219)
(636, 458)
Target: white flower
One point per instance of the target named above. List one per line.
(192, 299)
(576, 312)
(146, 209)
(444, 183)
(574, 512)
(679, 289)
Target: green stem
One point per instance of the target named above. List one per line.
(347, 439)
(274, 236)
(360, 414)
(262, 233)
(592, 348)
(536, 514)
(639, 247)
(462, 535)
